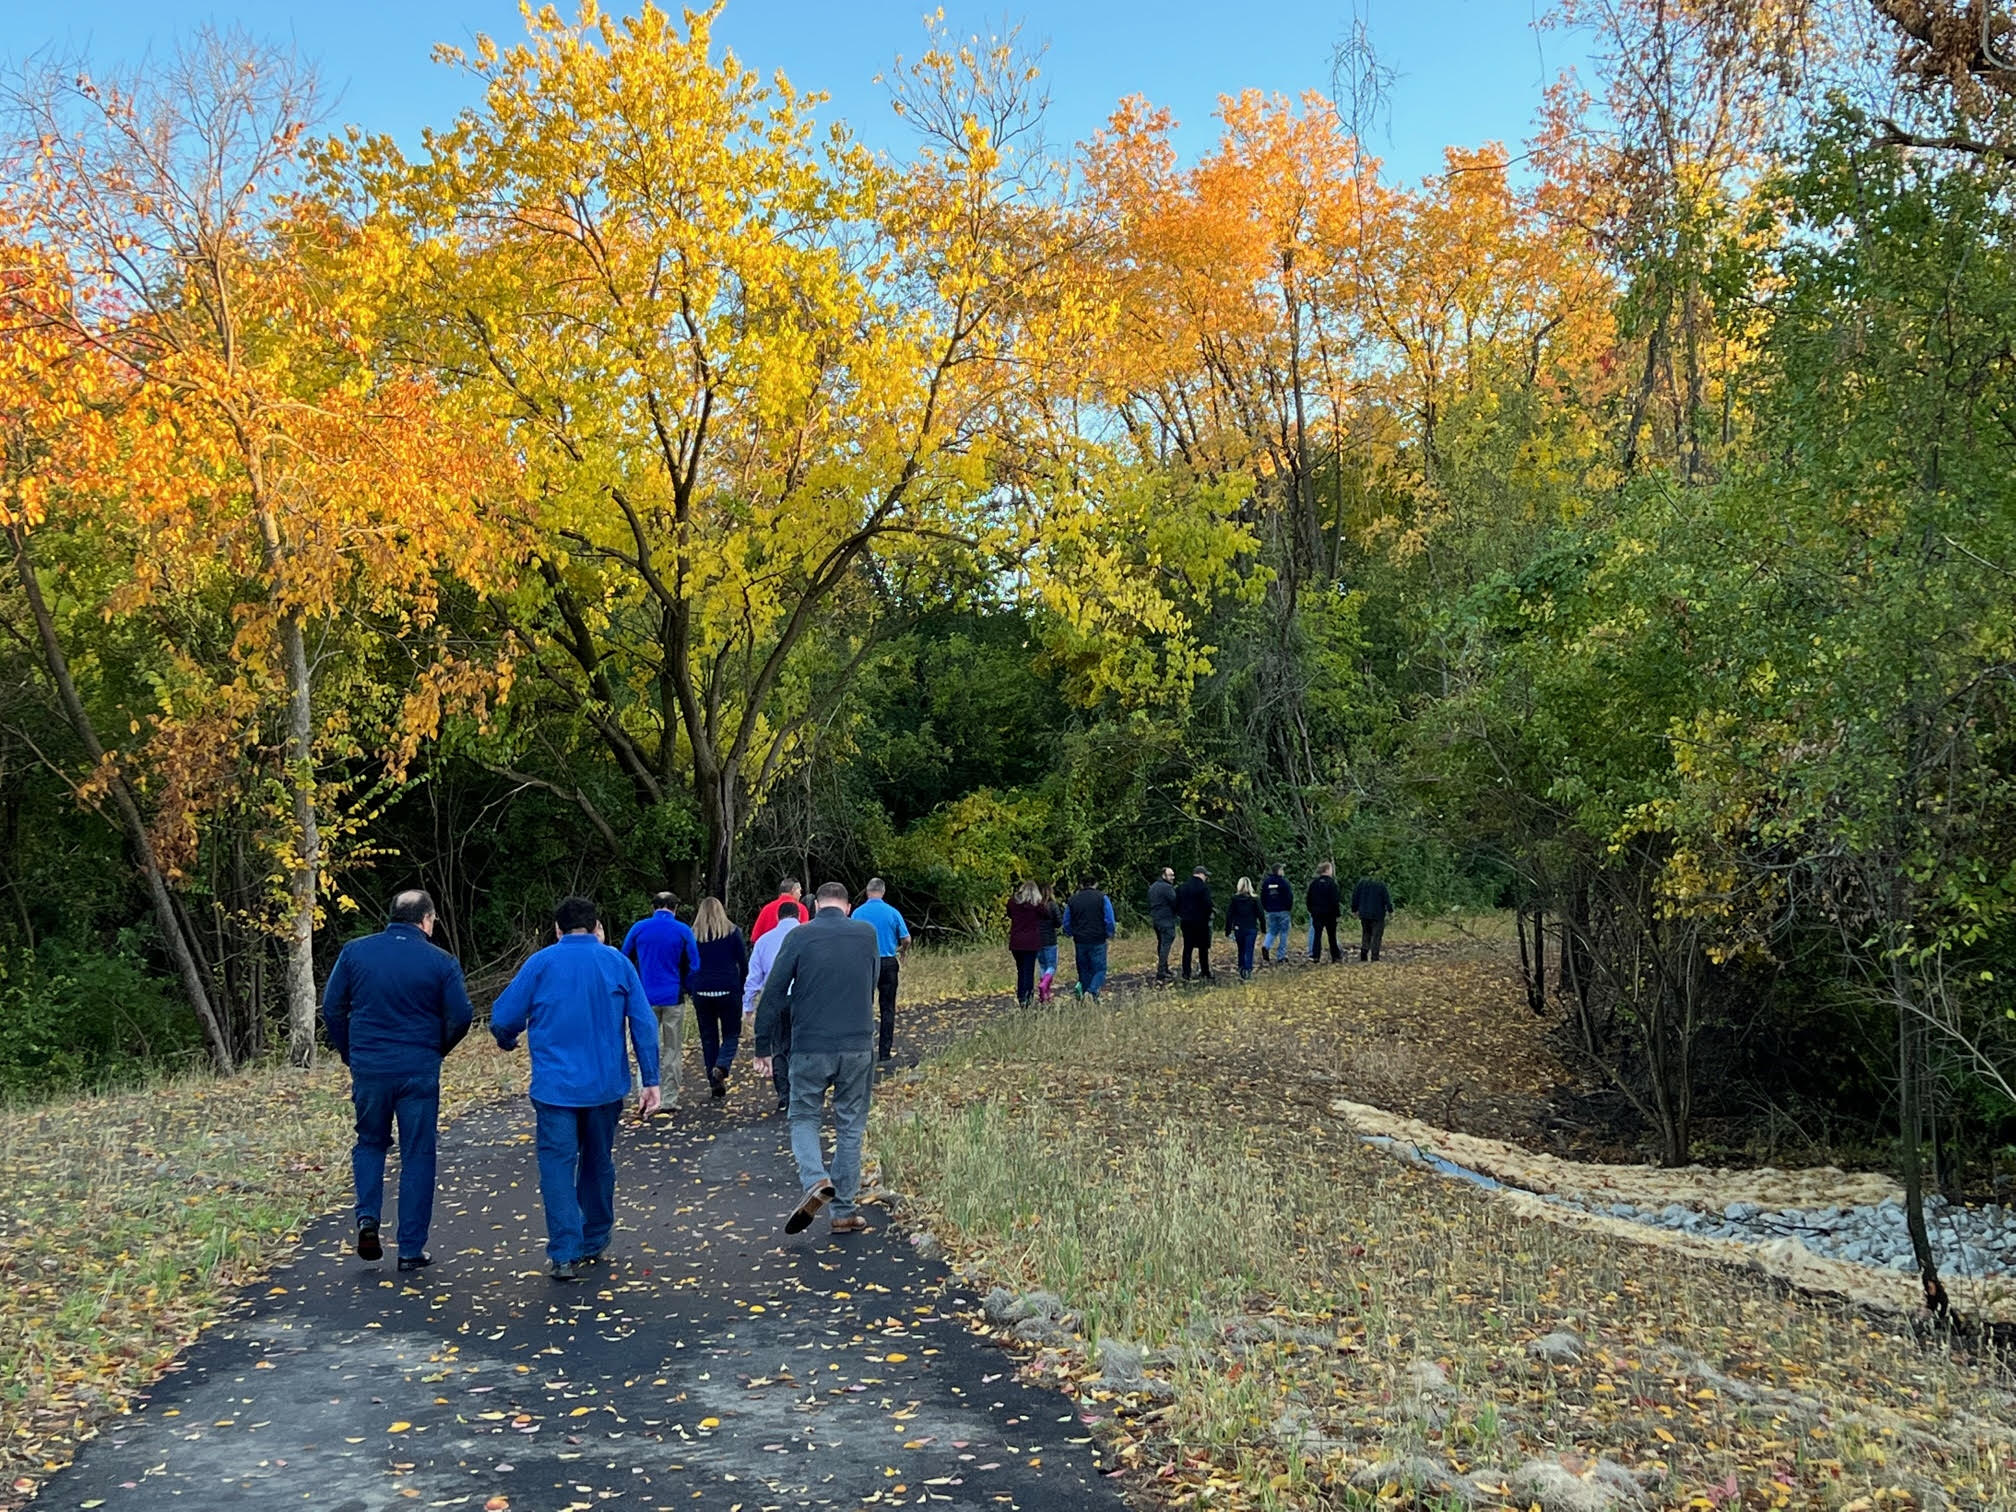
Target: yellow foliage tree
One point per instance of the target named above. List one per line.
(757, 375)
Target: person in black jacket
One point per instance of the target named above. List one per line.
(716, 989)
(1325, 904)
(1162, 914)
(1089, 923)
(1277, 901)
(1242, 922)
(1193, 912)
(1373, 905)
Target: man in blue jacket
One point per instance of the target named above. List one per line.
(574, 999)
(666, 956)
(393, 1007)
(892, 938)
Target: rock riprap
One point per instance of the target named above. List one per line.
(1971, 1241)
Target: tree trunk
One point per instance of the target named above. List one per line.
(302, 877)
(172, 936)
(1910, 1063)
(305, 864)
(720, 813)
(1533, 962)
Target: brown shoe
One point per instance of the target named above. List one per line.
(853, 1223)
(813, 1205)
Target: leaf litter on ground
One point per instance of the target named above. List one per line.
(1340, 1329)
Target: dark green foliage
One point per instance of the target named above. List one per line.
(75, 1015)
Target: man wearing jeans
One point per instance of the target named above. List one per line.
(394, 1006)
(1088, 920)
(824, 979)
(1277, 901)
(574, 999)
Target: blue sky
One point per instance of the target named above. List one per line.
(1470, 70)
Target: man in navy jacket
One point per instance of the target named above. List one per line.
(394, 1006)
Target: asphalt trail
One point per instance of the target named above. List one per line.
(713, 1364)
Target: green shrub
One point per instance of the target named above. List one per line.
(73, 1016)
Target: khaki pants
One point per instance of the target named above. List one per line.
(671, 1052)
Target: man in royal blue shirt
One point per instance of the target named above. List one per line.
(574, 1000)
(892, 938)
(666, 956)
(394, 1006)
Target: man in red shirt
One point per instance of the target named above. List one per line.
(790, 890)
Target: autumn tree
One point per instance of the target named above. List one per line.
(755, 372)
(1664, 155)
(241, 424)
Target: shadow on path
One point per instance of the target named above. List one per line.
(713, 1364)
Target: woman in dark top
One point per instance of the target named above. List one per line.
(717, 990)
(1046, 953)
(1026, 913)
(1242, 922)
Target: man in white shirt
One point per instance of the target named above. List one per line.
(762, 956)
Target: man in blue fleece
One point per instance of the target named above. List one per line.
(574, 1000)
(666, 956)
(394, 1006)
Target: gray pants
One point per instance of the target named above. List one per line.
(851, 1076)
(1165, 936)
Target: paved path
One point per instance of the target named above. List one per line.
(714, 1364)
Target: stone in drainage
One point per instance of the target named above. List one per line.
(1561, 1347)
(1556, 1488)
(1418, 1473)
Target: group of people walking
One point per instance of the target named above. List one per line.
(603, 1023)
(1254, 920)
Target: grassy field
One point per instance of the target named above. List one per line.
(1169, 1165)
(132, 1217)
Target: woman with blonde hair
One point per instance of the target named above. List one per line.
(1026, 915)
(1242, 922)
(717, 991)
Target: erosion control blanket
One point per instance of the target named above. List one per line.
(1524, 1174)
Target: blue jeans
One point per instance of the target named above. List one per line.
(577, 1177)
(1276, 941)
(1046, 960)
(414, 1102)
(1091, 965)
(851, 1075)
(1245, 938)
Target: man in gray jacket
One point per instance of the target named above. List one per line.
(823, 983)
(1162, 914)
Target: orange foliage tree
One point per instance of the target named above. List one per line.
(241, 434)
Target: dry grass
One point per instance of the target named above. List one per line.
(132, 1217)
(1170, 1166)
(968, 971)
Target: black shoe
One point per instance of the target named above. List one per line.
(368, 1247)
(717, 1083)
(564, 1271)
(783, 1105)
(813, 1205)
(415, 1262)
